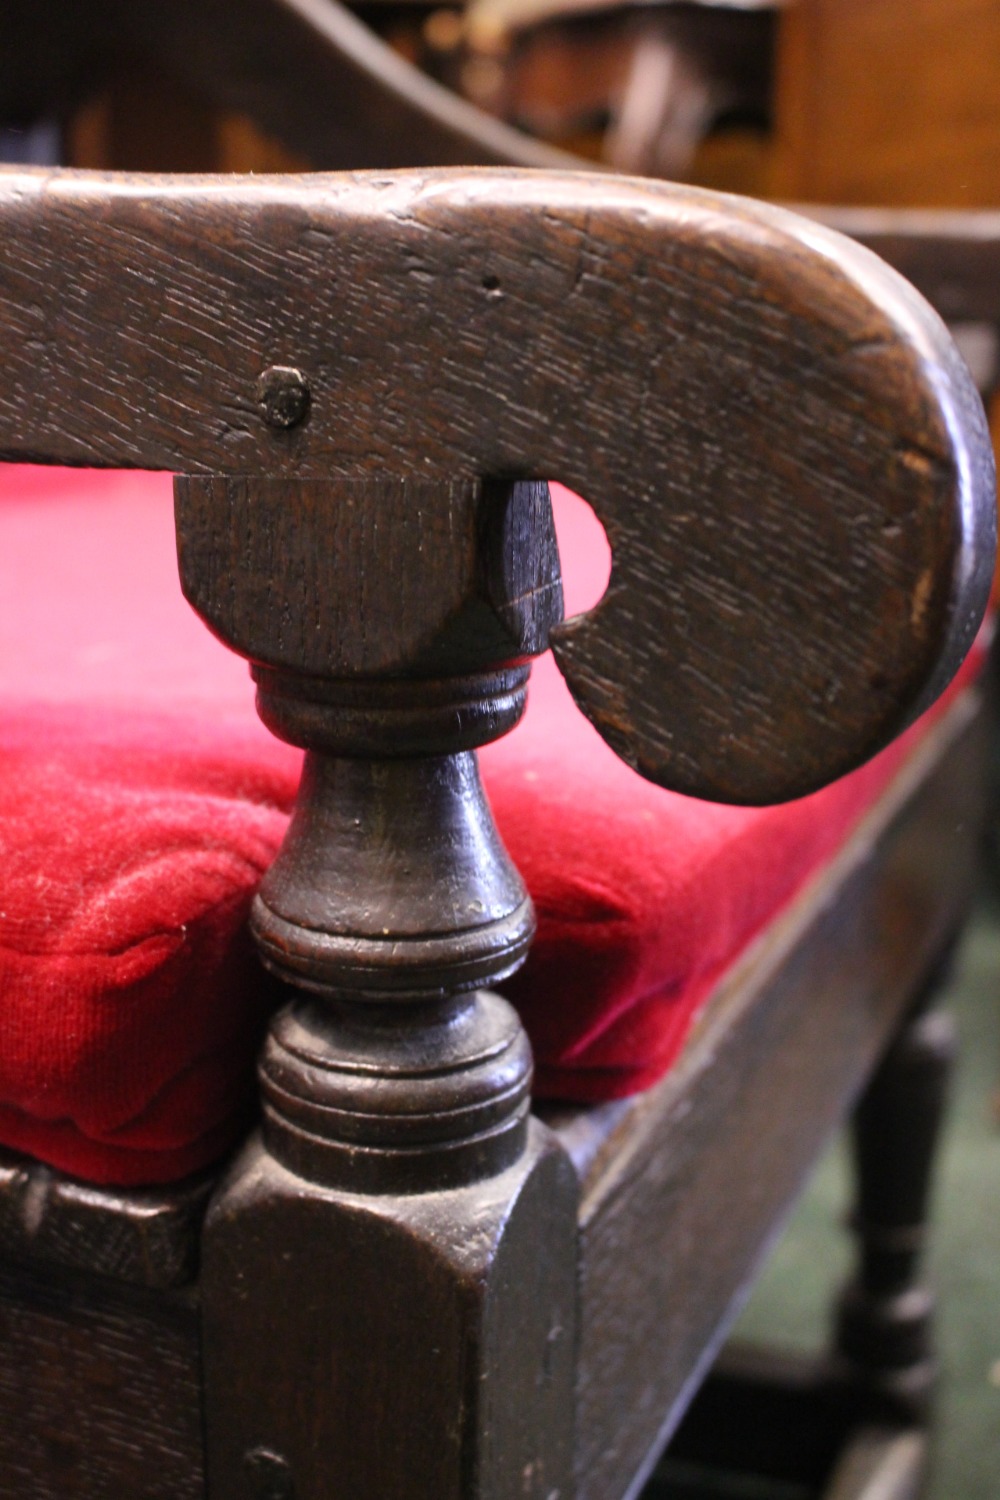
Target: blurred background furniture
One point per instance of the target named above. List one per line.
(848, 102)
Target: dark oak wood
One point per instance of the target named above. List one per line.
(392, 893)
(486, 299)
(428, 1336)
(398, 1174)
(147, 1237)
(802, 979)
(100, 1389)
(486, 594)
(781, 1051)
(323, 83)
(856, 1417)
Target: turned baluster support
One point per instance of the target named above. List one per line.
(400, 1211)
(394, 902)
(885, 1313)
(392, 899)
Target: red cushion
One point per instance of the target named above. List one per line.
(140, 800)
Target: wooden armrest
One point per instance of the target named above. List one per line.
(648, 346)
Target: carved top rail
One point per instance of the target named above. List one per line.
(775, 431)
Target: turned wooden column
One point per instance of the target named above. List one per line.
(400, 1225)
(885, 1313)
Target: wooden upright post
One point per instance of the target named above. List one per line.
(389, 1278)
(884, 1321)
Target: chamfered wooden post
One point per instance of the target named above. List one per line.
(389, 1276)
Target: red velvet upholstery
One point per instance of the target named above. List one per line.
(140, 801)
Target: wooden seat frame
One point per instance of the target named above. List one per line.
(406, 1284)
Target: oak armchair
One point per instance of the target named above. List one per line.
(406, 1282)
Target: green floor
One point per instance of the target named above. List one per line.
(789, 1305)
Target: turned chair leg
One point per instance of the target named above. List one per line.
(885, 1312)
(851, 1426)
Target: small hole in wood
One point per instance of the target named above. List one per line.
(491, 285)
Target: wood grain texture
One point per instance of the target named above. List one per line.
(100, 1391)
(800, 1021)
(148, 1236)
(773, 1068)
(389, 577)
(777, 434)
(417, 1345)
